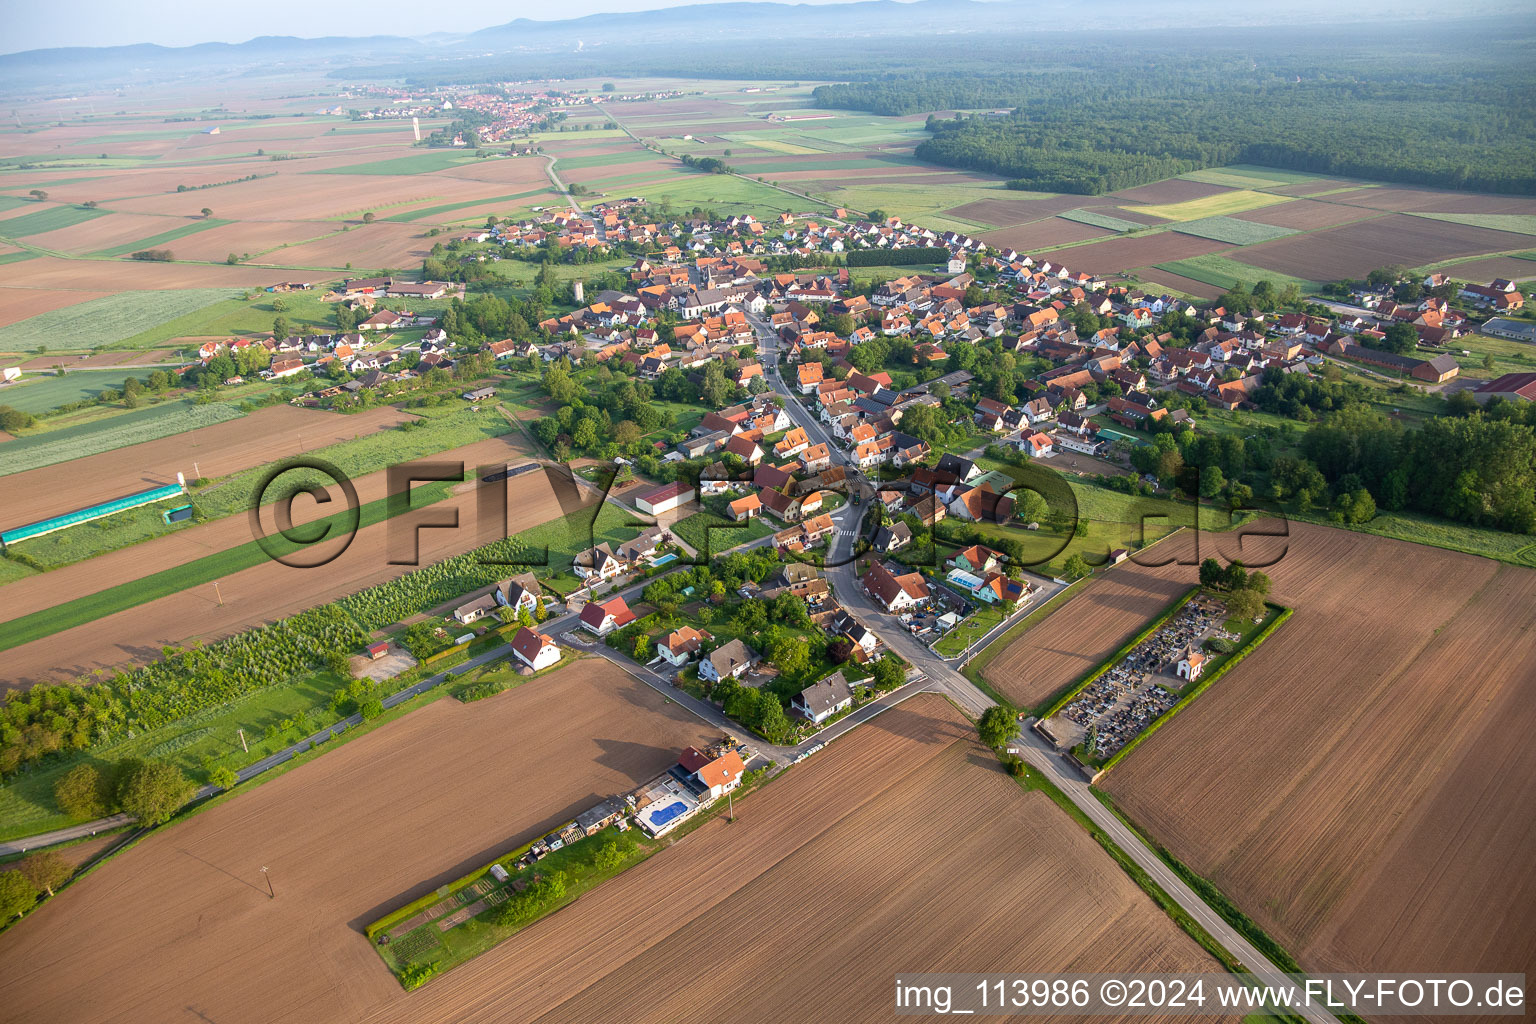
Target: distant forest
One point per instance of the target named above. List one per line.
(1105, 119)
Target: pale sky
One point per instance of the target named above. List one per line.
(31, 26)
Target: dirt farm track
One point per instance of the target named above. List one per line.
(1361, 784)
(190, 934)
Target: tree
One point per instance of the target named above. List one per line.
(1245, 604)
(642, 650)
(771, 721)
(716, 390)
(1399, 338)
(368, 217)
(1211, 481)
(224, 777)
(1076, 567)
(888, 673)
(789, 655)
(207, 213)
(17, 896)
(997, 726)
(1258, 581)
(46, 870)
(1212, 575)
(609, 87)
(1234, 577)
(280, 327)
(38, 194)
(152, 791)
(83, 792)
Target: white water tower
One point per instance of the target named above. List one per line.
(416, 127)
(578, 293)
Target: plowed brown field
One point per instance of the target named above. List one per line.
(1051, 231)
(268, 434)
(1361, 784)
(271, 590)
(1079, 635)
(17, 304)
(181, 927)
(1355, 249)
(829, 883)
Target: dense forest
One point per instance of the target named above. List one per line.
(1111, 119)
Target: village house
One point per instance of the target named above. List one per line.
(603, 617)
(731, 661)
(821, 701)
(896, 588)
(682, 645)
(534, 649)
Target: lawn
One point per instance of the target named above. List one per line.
(50, 218)
(707, 532)
(103, 321)
(1222, 203)
(163, 237)
(1230, 229)
(42, 393)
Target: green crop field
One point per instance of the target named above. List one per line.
(104, 435)
(99, 322)
(433, 211)
(154, 241)
(1100, 220)
(1223, 272)
(723, 193)
(13, 202)
(1523, 224)
(16, 257)
(1248, 176)
(45, 393)
(49, 219)
(627, 156)
(1230, 229)
(420, 163)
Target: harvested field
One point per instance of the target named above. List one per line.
(1357, 784)
(1173, 190)
(265, 592)
(1356, 249)
(114, 276)
(1078, 636)
(174, 922)
(268, 434)
(17, 304)
(1043, 233)
(254, 237)
(1306, 214)
(877, 866)
(1116, 254)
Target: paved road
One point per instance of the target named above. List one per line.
(942, 677)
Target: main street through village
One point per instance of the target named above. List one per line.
(942, 677)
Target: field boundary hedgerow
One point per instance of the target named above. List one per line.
(1065, 697)
(1203, 685)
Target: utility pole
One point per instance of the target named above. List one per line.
(271, 893)
(242, 742)
(730, 807)
(217, 594)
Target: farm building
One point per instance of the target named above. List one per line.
(85, 515)
(664, 499)
(1512, 387)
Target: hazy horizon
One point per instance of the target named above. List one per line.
(179, 23)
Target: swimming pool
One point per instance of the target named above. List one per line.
(675, 809)
(664, 559)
